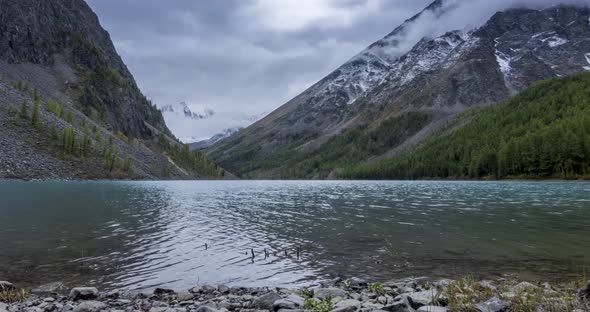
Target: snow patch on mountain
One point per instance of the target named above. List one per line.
(358, 76)
(225, 133)
(555, 41)
(503, 61)
(182, 108)
(428, 55)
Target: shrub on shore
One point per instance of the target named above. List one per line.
(13, 296)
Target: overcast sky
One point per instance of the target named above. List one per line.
(240, 57)
(243, 58)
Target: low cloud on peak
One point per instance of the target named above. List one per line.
(246, 57)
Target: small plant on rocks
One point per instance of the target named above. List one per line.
(377, 288)
(35, 119)
(464, 293)
(318, 305)
(23, 110)
(306, 293)
(12, 296)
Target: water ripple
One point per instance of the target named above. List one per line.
(140, 235)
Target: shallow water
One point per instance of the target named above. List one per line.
(138, 235)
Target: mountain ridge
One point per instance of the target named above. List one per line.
(440, 76)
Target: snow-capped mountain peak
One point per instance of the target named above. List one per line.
(183, 108)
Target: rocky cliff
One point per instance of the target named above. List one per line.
(69, 107)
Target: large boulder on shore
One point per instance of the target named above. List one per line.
(493, 305)
(83, 293)
(420, 298)
(266, 301)
(90, 306)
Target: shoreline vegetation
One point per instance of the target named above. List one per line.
(506, 294)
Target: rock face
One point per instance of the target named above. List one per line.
(439, 76)
(57, 50)
(35, 32)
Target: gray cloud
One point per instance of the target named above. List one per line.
(247, 57)
(240, 57)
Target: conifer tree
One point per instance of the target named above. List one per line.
(126, 164)
(35, 119)
(23, 110)
(17, 118)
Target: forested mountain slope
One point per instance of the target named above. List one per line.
(544, 132)
(69, 107)
(383, 103)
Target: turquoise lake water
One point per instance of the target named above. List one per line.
(139, 235)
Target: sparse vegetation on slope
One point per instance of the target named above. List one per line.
(350, 146)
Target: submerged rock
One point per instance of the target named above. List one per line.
(163, 291)
(49, 289)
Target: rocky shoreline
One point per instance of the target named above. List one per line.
(407, 295)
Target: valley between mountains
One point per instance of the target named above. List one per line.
(504, 99)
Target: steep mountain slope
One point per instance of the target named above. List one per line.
(69, 107)
(544, 132)
(314, 137)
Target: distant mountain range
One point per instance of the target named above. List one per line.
(389, 98)
(203, 144)
(182, 108)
